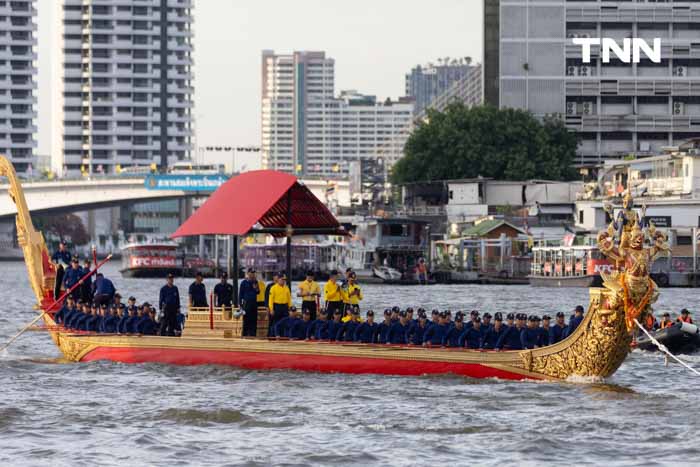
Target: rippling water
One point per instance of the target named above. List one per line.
(113, 414)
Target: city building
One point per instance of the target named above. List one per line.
(308, 130)
(468, 90)
(425, 83)
(17, 85)
(123, 84)
(618, 109)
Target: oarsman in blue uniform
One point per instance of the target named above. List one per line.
(366, 332)
(319, 328)
(110, 322)
(472, 316)
(399, 330)
(131, 304)
(60, 315)
(169, 302)
(473, 338)
(123, 326)
(223, 292)
(394, 314)
(416, 332)
(452, 337)
(61, 258)
(435, 335)
(300, 329)
(132, 324)
(248, 296)
(283, 326)
(198, 292)
(73, 317)
(494, 332)
(448, 317)
(383, 328)
(485, 323)
(146, 324)
(434, 318)
(510, 320)
(575, 320)
(558, 331)
(409, 315)
(544, 331)
(85, 323)
(510, 339)
(117, 303)
(72, 276)
(335, 325)
(530, 336)
(103, 290)
(347, 331)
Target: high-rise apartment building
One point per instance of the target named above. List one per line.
(307, 130)
(468, 90)
(17, 85)
(124, 90)
(425, 83)
(618, 109)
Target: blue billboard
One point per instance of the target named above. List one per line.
(194, 182)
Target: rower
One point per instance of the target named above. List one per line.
(575, 320)
(399, 330)
(133, 321)
(117, 302)
(59, 316)
(146, 325)
(485, 322)
(383, 328)
(473, 338)
(319, 328)
(435, 335)
(416, 332)
(685, 316)
(558, 331)
(81, 311)
(299, 330)
(122, 326)
(666, 321)
(309, 291)
(103, 289)
(347, 331)
(284, 325)
(366, 332)
(510, 320)
(395, 314)
(333, 295)
(494, 332)
(248, 298)
(61, 258)
(169, 302)
(510, 339)
(434, 318)
(130, 304)
(544, 331)
(334, 325)
(472, 317)
(530, 336)
(280, 300)
(110, 322)
(454, 335)
(223, 292)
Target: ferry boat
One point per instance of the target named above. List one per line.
(595, 350)
(568, 266)
(158, 259)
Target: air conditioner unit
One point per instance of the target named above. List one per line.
(587, 108)
(571, 71)
(585, 35)
(680, 71)
(571, 35)
(678, 108)
(571, 108)
(584, 71)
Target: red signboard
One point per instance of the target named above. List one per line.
(152, 262)
(595, 266)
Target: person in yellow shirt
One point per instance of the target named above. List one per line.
(280, 301)
(309, 291)
(333, 295)
(261, 294)
(354, 294)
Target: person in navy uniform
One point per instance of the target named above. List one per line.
(473, 338)
(544, 331)
(198, 292)
(366, 332)
(558, 331)
(472, 317)
(510, 339)
(575, 320)
(347, 331)
(70, 321)
(132, 324)
(169, 302)
(61, 258)
(452, 338)
(319, 328)
(494, 332)
(299, 330)
(60, 315)
(485, 322)
(435, 335)
(284, 326)
(334, 325)
(248, 296)
(146, 324)
(117, 302)
(223, 292)
(530, 335)
(416, 332)
(123, 326)
(103, 289)
(110, 321)
(131, 304)
(399, 330)
(72, 276)
(510, 320)
(383, 327)
(434, 318)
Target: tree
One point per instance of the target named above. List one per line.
(504, 144)
(64, 226)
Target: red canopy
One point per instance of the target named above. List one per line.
(256, 202)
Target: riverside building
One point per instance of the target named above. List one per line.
(618, 109)
(309, 131)
(17, 85)
(123, 95)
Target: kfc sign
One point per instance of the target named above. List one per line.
(153, 262)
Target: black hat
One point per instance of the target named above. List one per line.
(146, 304)
(348, 269)
(459, 313)
(171, 276)
(225, 274)
(395, 309)
(403, 313)
(532, 318)
(521, 316)
(421, 310)
(487, 315)
(132, 298)
(198, 274)
(334, 272)
(537, 318)
(579, 308)
(387, 312)
(685, 311)
(473, 313)
(422, 315)
(409, 310)
(477, 320)
(435, 313)
(443, 314)
(458, 319)
(666, 314)
(546, 318)
(309, 273)
(293, 308)
(370, 313)
(448, 312)
(117, 295)
(251, 270)
(498, 316)
(355, 311)
(307, 312)
(510, 316)
(560, 314)
(103, 306)
(75, 260)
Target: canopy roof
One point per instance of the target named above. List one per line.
(257, 202)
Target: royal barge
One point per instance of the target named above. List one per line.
(595, 350)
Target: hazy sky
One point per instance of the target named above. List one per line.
(374, 43)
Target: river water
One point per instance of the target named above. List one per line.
(114, 414)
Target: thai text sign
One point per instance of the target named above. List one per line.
(194, 182)
(152, 262)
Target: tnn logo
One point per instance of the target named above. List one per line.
(629, 52)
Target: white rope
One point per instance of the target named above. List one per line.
(665, 350)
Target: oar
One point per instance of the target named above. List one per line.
(58, 300)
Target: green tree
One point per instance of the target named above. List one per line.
(504, 144)
(67, 227)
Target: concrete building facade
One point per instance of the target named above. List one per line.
(123, 84)
(426, 83)
(17, 85)
(618, 109)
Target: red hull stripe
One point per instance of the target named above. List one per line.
(314, 363)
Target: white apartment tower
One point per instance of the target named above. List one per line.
(17, 85)
(308, 131)
(125, 93)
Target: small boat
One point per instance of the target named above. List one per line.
(679, 338)
(595, 350)
(567, 266)
(386, 273)
(158, 259)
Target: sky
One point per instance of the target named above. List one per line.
(374, 44)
